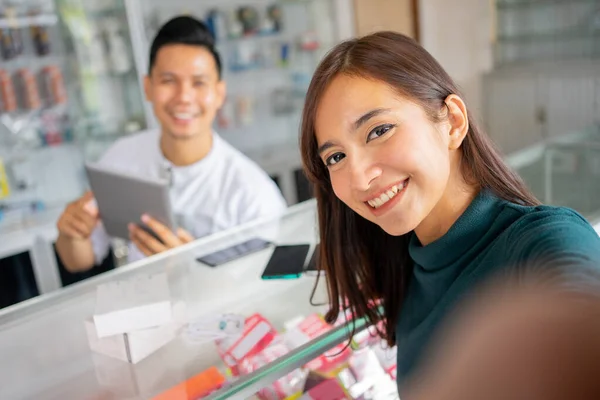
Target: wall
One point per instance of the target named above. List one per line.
(376, 15)
(458, 34)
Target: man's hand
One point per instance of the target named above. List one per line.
(149, 245)
(79, 218)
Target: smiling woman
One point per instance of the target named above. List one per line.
(416, 207)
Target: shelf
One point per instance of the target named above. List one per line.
(555, 36)
(506, 4)
(25, 22)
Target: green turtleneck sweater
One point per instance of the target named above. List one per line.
(492, 235)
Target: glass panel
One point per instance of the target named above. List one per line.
(76, 90)
(44, 344)
(547, 30)
(103, 77)
(566, 172)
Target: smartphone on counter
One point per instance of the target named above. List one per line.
(312, 268)
(286, 262)
(234, 252)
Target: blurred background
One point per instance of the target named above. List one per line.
(71, 73)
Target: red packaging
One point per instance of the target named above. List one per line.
(258, 333)
(330, 389)
(283, 387)
(8, 100)
(53, 83)
(310, 328)
(29, 90)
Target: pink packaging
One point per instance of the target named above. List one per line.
(286, 386)
(310, 328)
(258, 333)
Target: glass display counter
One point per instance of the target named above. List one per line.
(46, 349)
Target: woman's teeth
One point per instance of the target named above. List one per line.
(183, 116)
(387, 196)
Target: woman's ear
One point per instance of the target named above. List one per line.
(458, 120)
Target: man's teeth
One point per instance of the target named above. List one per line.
(183, 116)
(387, 196)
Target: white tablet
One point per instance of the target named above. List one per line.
(123, 198)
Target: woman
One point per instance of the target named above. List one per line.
(415, 205)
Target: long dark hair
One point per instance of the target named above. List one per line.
(363, 264)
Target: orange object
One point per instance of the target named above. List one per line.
(196, 387)
(29, 89)
(7, 92)
(54, 87)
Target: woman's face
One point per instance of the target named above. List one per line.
(387, 161)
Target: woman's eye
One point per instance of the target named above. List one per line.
(334, 159)
(379, 131)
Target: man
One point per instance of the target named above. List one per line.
(213, 186)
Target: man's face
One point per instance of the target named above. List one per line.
(185, 90)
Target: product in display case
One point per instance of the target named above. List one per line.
(196, 387)
(118, 53)
(27, 89)
(275, 16)
(284, 387)
(8, 98)
(130, 305)
(39, 35)
(257, 334)
(313, 326)
(11, 41)
(53, 88)
(213, 327)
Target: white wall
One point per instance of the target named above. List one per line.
(458, 34)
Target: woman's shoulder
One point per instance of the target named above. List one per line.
(552, 231)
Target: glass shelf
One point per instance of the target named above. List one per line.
(558, 36)
(511, 4)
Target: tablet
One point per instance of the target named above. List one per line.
(122, 199)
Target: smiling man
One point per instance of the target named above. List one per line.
(213, 186)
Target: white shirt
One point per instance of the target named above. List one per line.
(222, 190)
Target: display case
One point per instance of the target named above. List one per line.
(45, 342)
(542, 30)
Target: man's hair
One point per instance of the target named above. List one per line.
(184, 30)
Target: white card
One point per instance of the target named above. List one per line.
(128, 305)
(215, 326)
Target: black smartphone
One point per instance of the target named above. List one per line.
(231, 253)
(286, 262)
(312, 266)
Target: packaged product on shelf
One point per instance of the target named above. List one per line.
(197, 387)
(53, 85)
(4, 188)
(8, 99)
(136, 344)
(330, 389)
(284, 387)
(310, 328)
(258, 333)
(138, 303)
(387, 357)
(39, 35)
(364, 365)
(28, 89)
(11, 43)
(118, 53)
